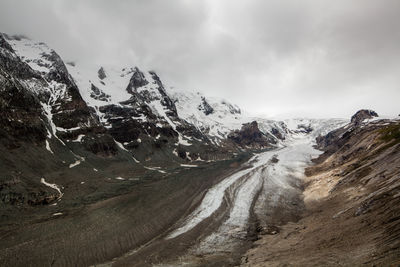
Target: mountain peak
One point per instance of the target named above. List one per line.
(137, 80)
(362, 115)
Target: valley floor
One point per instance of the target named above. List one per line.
(224, 225)
(344, 213)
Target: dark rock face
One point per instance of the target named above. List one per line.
(145, 96)
(26, 194)
(99, 94)
(166, 100)
(58, 70)
(10, 63)
(101, 144)
(277, 134)
(363, 114)
(250, 135)
(232, 109)
(4, 44)
(126, 127)
(101, 73)
(137, 80)
(21, 116)
(303, 128)
(205, 107)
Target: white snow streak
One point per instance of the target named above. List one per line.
(189, 165)
(48, 147)
(76, 163)
(154, 169)
(54, 186)
(79, 138)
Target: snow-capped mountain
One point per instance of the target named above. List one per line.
(132, 108)
(128, 99)
(124, 111)
(217, 117)
(67, 117)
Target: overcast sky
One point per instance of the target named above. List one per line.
(273, 57)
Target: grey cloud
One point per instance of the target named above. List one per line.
(302, 58)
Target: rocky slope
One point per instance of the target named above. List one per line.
(351, 199)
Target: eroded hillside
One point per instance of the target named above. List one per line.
(352, 199)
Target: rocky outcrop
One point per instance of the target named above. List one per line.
(232, 109)
(101, 73)
(99, 94)
(14, 191)
(278, 134)
(165, 99)
(4, 44)
(337, 138)
(303, 128)
(137, 80)
(362, 115)
(251, 136)
(205, 107)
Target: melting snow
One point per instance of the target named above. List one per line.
(48, 147)
(121, 146)
(79, 138)
(54, 186)
(188, 165)
(155, 169)
(76, 163)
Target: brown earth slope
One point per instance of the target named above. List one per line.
(352, 199)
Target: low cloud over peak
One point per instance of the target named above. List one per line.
(308, 58)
